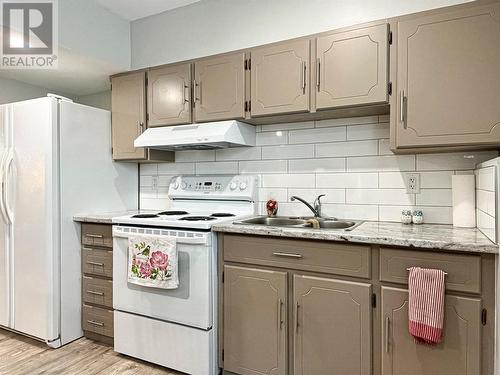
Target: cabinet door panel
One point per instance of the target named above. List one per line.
(448, 79)
(332, 326)
(128, 103)
(169, 95)
(352, 67)
(280, 78)
(220, 88)
(458, 353)
(254, 321)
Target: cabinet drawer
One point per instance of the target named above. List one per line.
(97, 235)
(463, 271)
(98, 320)
(97, 262)
(326, 257)
(97, 291)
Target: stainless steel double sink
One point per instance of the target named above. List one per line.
(300, 222)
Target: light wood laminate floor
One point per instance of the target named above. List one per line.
(20, 355)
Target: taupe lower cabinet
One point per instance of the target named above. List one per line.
(352, 67)
(219, 88)
(128, 121)
(280, 78)
(255, 319)
(306, 307)
(448, 79)
(169, 95)
(332, 333)
(459, 353)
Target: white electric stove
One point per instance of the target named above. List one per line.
(177, 328)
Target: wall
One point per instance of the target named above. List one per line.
(347, 159)
(214, 26)
(485, 200)
(13, 91)
(100, 100)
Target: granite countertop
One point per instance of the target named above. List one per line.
(428, 236)
(104, 217)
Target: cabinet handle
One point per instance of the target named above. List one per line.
(93, 322)
(287, 255)
(95, 293)
(95, 264)
(303, 77)
(194, 90)
(297, 306)
(186, 93)
(387, 327)
(100, 235)
(402, 108)
(280, 316)
(318, 69)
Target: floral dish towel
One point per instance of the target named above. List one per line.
(152, 261)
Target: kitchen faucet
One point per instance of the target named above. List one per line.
(316, 206)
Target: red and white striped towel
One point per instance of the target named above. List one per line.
(426, 304)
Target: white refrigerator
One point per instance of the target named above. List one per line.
(55, 161)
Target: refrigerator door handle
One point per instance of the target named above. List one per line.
(8, 182)
(3, 211)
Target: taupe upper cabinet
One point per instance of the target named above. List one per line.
(169, 93)
(280, 78)
(255, 327)
(351, 67)
(448, 79)
(458, 353)
(219, 85)
(128, 102)
(332, 333)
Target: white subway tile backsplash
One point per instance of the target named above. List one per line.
(288, 152)
(288, 180)
(453, 161)
(176, 168)
(277, 137)
(238, 153)
(318, 135)
(263, 166)
(348, 159)
(436, 180)
(148, 169)
(287, 126)
(195, 155)
(434, 197)
(223, 167)
(381, 163)
(351, 211)
(379, 196)
(384, 147)
(278, 194)
(371, 131)
(347, 180)
(331, 195)
(339, 149)
(316, 165)
(347, 121)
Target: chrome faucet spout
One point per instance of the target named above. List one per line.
(314, 210)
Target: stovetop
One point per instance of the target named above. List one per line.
(180, 218)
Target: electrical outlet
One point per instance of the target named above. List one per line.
(413, 183)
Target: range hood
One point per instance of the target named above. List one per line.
(204, 136)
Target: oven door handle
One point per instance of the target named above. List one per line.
(179, 240)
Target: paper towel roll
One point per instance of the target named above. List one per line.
(464, 200)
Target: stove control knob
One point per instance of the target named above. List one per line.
(183, 185)
(176, 185)
(243, 185)
(232, 185)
